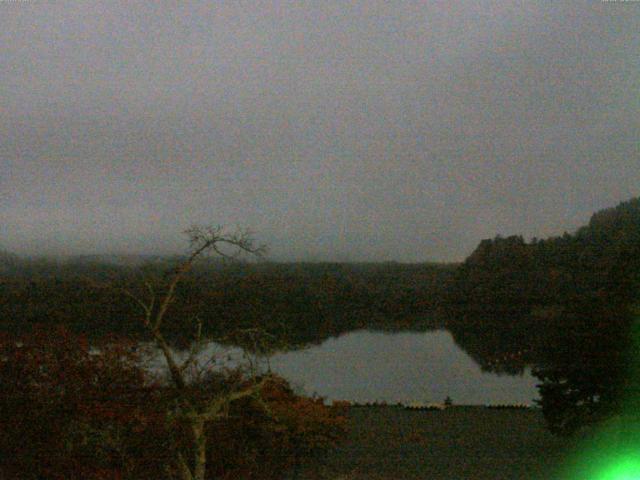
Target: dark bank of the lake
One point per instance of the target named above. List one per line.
(459, 443)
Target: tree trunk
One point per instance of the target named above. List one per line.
(183, 469)
(200, 450)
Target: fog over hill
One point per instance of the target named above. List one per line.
(336, 130)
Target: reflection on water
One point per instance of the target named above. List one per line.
(365, 366)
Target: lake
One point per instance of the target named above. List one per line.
(364, 366)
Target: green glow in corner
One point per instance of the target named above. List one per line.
(613, 451)
(623, 469)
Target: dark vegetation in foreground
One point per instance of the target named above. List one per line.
(67, 413)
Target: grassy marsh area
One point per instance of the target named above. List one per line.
(458, 443)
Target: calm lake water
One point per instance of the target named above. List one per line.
(365, 366)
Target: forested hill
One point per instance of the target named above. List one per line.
(512, 301)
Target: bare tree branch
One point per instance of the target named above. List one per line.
(196, 346)
(217, 406)
(202, 240)
(147, 308)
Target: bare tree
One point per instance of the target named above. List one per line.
(195, 411)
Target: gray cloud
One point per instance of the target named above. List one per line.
(335, 130)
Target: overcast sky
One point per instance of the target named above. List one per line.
(373, 130)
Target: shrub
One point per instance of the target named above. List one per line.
(67, 412)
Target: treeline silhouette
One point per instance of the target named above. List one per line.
(269, 305)
(515, 298)
(564, 305)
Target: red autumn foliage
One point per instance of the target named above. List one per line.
(67, 412)
(262, 443)
(64, 409)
